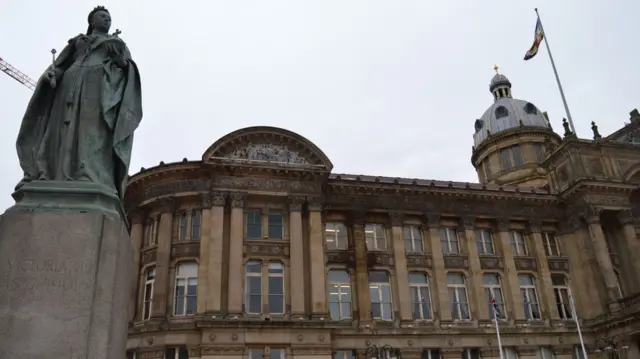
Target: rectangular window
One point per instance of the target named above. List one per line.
(335, 236)
(561, 293)
(518, 245)
(275, 225)
(276, 288)
(344, 354)
(253, 287)
(493, 291)
(380, 293)
(551, 247)
(537, 149)
(484, 242)
(176, 353)
(529, 297)
(517, 156)
(339, 294)
(274, 353)
(182, 231)
(510, 353)
(505, 159)
(375, 237)
(148, 293)
(420, 296)
(450, 241)
(253, 224)
(412, 239)
(196, 222)
(471, 353)
(186, 289)
(458, 295)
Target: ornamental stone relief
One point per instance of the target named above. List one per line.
(419, 261)
(148, 256)
(492, 262)
(180, 250)
(456, 262)
(379, 259)
(341, 257)
(525, 263)
(266, 249)
(558, 264)
(280, 185)
(267, 152)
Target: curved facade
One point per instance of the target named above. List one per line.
(259, 251)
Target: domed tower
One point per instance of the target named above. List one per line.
(511, 139)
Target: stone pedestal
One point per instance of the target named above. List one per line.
(65, 276)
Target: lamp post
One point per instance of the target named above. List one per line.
(384, 352)
(613, 347)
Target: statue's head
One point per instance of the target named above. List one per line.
(99, 19)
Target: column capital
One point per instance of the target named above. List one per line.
(218, 198)
(535, 226)
(165, 205)
(238, 199)
(137, 216)
(502, 224)
(625, 216)
(357, 218)
(396, 219)
(432, 219)
(570, 224)
(467, 223)
(592, 215)
(205, 200)
(295, 203)
(314, 203)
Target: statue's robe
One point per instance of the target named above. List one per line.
(82, 130)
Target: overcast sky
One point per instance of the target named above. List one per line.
(382, 87)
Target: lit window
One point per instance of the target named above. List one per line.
(450, 241)
(276, 225)
(253, 224)
(413, 239)
(529, 297)
(253, 287)
(186, 290)
(176, 353)
(335, 235)
(551, 247)
(196, 223)
(561, 293)
(276, 288)
(493, 291)
(182, 232)
(518, 245)
(484, 241)
(375, 237)
(420, 296)
(380, 292)
(148, 293)
(339, 294)
(458, 295)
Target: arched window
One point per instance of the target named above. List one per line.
(339, 294)
(147, 305)
(186, 289)
(501, 112)
(458, 295)
(182, 233)
(276, 288)
(420, 296)
(380, 291)
(196, 219)
(530, 109)
(493, 291)
(253, 287)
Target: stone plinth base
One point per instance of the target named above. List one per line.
(64, 285)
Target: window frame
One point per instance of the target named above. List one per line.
(183, 225)
(412, 239)
(529, 289)
(373, 228)
(334, 229)
(147, 302)
(421, 300)
(547, 239)
(481, 241)
(491, 288)
(279, 225)
(247, 295)
(558, 289)
(339, 287)
(196, 224)
(187, 280)
(518, 249)
(254, 223)
(456, 302)
(447, 241)
(378, 287)
(282, 295)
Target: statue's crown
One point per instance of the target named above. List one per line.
(98, 8)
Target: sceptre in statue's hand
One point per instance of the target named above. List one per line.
(52, 74)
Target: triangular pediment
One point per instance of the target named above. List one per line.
(629, 134)
(267, 146)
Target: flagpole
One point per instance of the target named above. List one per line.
(575, 318)
(495, 318)
(555, 71)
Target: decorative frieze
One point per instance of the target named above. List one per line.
(311, 350)
(341, 257)
(187, 249)
(379, 259)
(176, 186)
(148, 256)
(265, 248)
(153, 353)
(491, 262)
(558, 264)
(265, 184)
(419, 260)
(314, 203)
(222, 350)
(526, 263)
(165, 205)
(456, 262)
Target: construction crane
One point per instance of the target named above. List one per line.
(17, 75)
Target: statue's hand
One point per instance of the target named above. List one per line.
(116, 52)
(53, 78)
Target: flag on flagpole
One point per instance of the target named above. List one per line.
(539, 36)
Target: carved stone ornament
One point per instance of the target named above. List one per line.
(491, 262)
(467, 223)
(502, 224)
(237, 200)
(185, 250)
(526, 263)
(558, 264)
(155, 353)
(419, 261)
(222, 350)
(265, 184)
(314, 203)
(535, 226)
(218, 199)
(456, 262)
(177, 186)
(266, 249)
(268, 152)
(625, 216)
(295, 203)
(148, 256)
(194, 352)
(433, 220)
(379, 259)
(205, 200)
(592, 214)
(396, 219)
(341, 257)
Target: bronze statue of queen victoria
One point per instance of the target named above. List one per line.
(80, 121)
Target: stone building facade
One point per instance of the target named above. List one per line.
(259, 250)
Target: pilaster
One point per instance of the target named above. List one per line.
(215, 257)
(550, 310)
(477, 298)
(161, 286)
(297, 272)
(602, 253)
(236, 238)
(137, 232)
(439, 271)
(512, 292)
(402, 295)
(316, 258)
(362, 270)
(625, 217)
(204, 291)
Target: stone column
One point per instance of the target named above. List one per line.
(362, 268)
(137, 232)
(602, 253)
(236, 237)
(547, 296)
(631, 240)
(477, 299)
(204, 292)
(316, 260)
(513, 298)
(215, 257)
(402, 295)
(163, 256)
(296, 249)
(439, 277)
